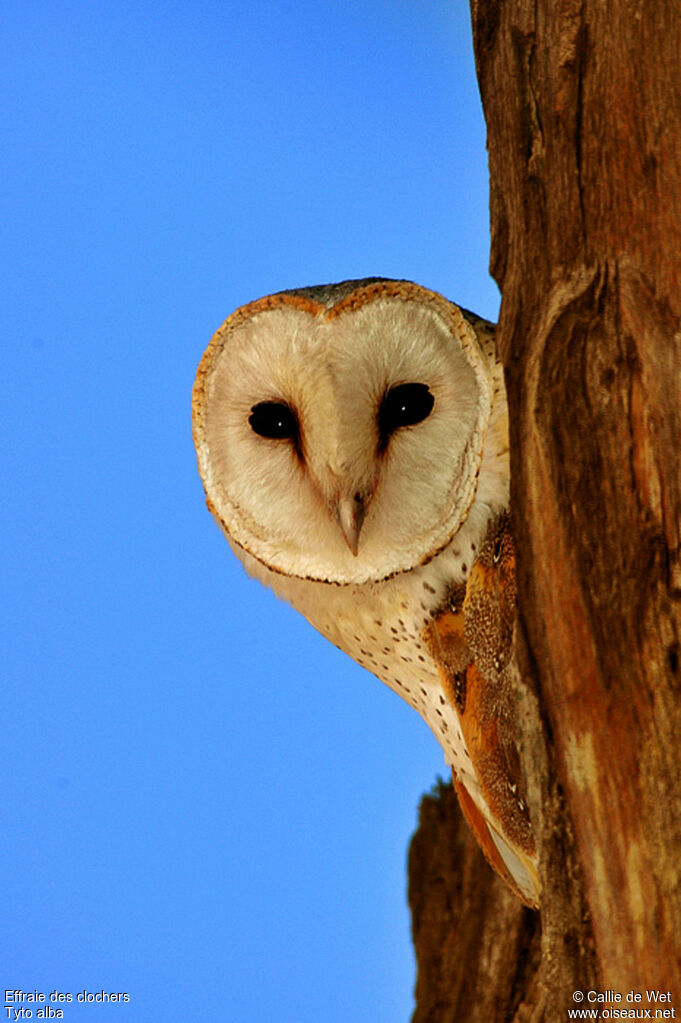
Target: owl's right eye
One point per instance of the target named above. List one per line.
(274, 420)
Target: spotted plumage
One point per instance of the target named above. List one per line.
(352, 440)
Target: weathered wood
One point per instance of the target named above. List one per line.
(458, 905)
(582, 100)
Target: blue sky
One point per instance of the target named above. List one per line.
(205, 805)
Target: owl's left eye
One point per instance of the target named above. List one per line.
(403, 405)
(274, 420)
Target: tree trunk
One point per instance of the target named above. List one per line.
(468, 928)
(583, 106)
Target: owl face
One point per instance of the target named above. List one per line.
(339, 430)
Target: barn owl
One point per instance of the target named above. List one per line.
(352, 440)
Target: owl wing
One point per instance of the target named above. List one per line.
(471, 638)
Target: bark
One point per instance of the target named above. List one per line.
(582, 100)
(460, 907)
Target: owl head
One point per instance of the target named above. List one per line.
(340, 429)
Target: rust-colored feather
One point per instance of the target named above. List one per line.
(471, 639)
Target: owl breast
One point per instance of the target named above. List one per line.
(440, 636)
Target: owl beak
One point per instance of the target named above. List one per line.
(349, 512)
